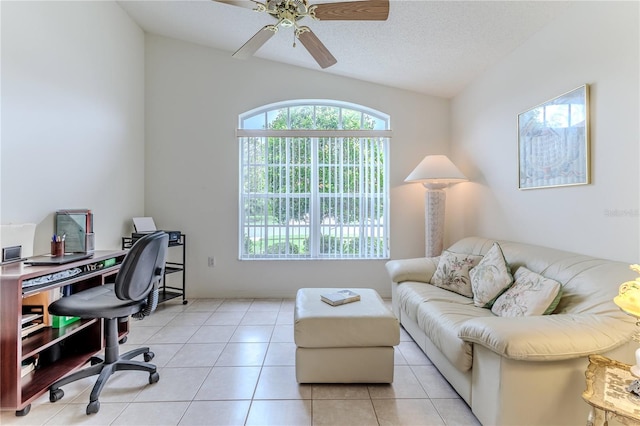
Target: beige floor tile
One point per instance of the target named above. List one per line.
(269, 413)
(214, 413)
(284, 318)
(433, 383)
(280, 383)
(282, 333)
(455, 412)
(213, 334)
(288, 305)
(405, 385)
(339, 412)
(189, 318)
(173, 305)
(152, 413)
(229, 383)
(225, 318)
(122, 386)
(178, 334)
(398, 358)
(242, 354)
(241, 305)
(281, 354)
(197, 355)
(140, 335)
(39, 415)
(75, 414)
(414, 412)
(72, 391)
(259, 318)
(203, 305)
(156, 319)
(265, 305)
(162, 352)
(176, 384)
(404, 336)
(339, 391)
(413, 354)
(252, 333)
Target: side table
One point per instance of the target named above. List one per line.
(606, 392)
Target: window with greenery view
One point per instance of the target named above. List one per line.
(314, 182)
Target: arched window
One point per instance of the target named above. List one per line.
(314, 181)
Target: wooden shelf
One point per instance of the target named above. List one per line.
(60, 351)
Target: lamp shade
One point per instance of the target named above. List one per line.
(436, 169)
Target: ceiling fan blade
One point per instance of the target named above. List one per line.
(312, 43)
(367, 10)
(255, 43)
(247, 4)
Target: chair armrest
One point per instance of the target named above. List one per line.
(419, 269)
(548, 337)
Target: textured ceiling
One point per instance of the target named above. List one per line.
(431, 47)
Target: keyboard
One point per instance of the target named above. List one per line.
(51, 278)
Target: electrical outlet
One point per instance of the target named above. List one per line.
(211, 261)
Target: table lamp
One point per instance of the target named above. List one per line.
(435, 172)
(628, 299)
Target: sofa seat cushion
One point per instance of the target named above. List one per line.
(441, 322)
(412, 294)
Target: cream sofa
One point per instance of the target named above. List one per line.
(522, 370)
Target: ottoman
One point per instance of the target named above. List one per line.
(350, 343)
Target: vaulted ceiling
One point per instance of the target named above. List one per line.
(431, 47)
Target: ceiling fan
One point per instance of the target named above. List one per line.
(289, 12)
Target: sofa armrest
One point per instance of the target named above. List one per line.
(548, 337)
(419, 269)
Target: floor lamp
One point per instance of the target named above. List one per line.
(435, 172)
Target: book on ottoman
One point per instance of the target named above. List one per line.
(340, 297)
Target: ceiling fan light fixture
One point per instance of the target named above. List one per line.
(289, 12)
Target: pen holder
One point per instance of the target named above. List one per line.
(57, 248)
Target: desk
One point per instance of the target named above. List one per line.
(606, 392)
(61, 350)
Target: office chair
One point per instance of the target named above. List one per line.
(135, 292)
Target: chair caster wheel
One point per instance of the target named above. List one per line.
(24, 411)
(153, 378)
(93, 407)
(184, 302)
(123, 340)
(56, 395)
(148, 356)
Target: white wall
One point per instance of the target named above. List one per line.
(592, 42)
(193, 98)
(72, 116)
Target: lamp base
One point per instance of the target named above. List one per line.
(434, 221)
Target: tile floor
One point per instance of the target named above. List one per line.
(232, 362)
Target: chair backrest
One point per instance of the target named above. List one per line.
(142, 267)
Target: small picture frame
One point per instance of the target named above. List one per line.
(553, 142)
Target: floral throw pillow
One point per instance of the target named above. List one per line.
(531, 294)
(490, 278)
(452, 272)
